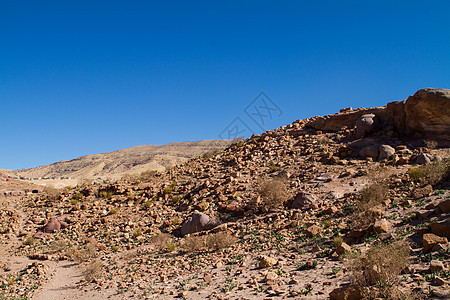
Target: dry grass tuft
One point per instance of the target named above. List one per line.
(194, 243)
(273, 193)
(431, 144)
(147, 176)
(377, 272)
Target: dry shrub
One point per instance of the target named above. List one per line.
(161, 241)
(431, 144)
(210, 154)
(273, 193)
(370, 197)
(374, 194)
(220, 240)
(210, 242)
(433, 173)
(85, 254)
(62, 248)
(147, 176)
(52, 193)
(377, 272)
(92, 270)
(194, 243)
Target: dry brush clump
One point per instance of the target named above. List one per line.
(434, 173)
(369, 203)
(376, 272)
(210, 242)
(52, 193)
(162, 242)
(92, 270)
(273, 193)
(85, 254)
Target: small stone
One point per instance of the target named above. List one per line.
(422, 192)
(349, 292)
(313, 230)
(430, 241)
(422, 159)
(385, 152)
(441, 229)
(445, 206)
(439, 281)
(267, 262)
(436, 266)
(381, 226)
(343, 248)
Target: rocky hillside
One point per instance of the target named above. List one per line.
(355, 210)
(126, 161)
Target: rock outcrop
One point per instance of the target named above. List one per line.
(426, 114)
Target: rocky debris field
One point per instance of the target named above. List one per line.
(354, 210)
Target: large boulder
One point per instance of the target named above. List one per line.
(427, 112)
(198, 222)
(365, 124)
(370, 151)
(385, 151)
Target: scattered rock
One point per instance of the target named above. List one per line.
(370, 151)
(441, 229)
(445, 206)
(436, 266)
(343, 248)
(422, 192)
(423, 159)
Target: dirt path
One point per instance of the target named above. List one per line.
(62, 284)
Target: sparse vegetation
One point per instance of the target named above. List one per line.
(369, 204)
(29, 241)
(337, 241)
(433, 173)
(51, 193)
(273, 193)
(92, 270)
(210, 242)
(377, 271)
(431, 144)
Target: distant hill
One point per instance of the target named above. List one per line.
(126, 161)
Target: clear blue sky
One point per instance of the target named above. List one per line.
(83, 77)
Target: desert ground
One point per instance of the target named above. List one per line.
(353, 205)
